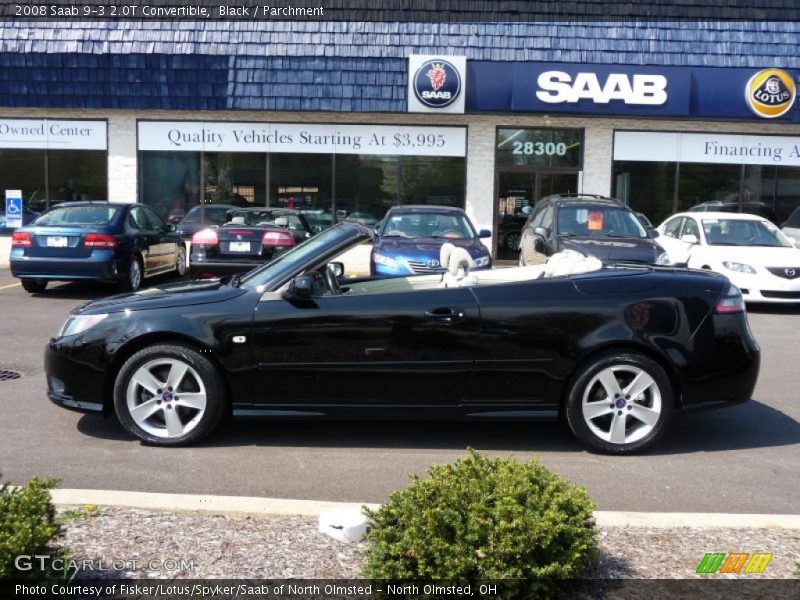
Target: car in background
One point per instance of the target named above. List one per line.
(749, 250)
(410, 238)
(613, 351)
(592, 225)
(202, 216)
(28, 217)
(750, 208)
(249, 238)
(104, 241)
(791, 227)
(363, 218)
(318, 219)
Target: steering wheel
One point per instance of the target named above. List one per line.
(332, 282)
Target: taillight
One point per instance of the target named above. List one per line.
(731, 302)
(21, 238)
(99, 240)
(277, 238)
(206, 237)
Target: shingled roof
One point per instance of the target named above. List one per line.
(336, 66)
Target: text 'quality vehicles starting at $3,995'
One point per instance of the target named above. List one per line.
(615, 350)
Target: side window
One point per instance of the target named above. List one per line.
(136, 219)
(153, 220)
(295, 224)
(546, 218)
(673, 227)
(690, 228)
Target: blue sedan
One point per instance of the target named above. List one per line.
(410, 238)
(104, 241)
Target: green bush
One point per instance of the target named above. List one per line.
(482, 519)
(27, 526)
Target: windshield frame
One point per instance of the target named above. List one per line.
(589, 207)
(780, 237)
(306, 256)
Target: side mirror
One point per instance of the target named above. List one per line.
(337, 268)
(301, 288)
(653, 232)
(540, 231)
(689, 238)
(172, 227)
(484, 233)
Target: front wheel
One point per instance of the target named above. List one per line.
(34, 286)
(169, 395)
(619, 403)
(180, 262)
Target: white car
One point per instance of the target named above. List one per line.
(749, 250)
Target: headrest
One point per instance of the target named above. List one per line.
(444, 254)
(460, 260)
(238, 220)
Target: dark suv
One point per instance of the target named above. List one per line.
(592, 225)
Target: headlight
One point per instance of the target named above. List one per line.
(483, 261)
(80, 323)
(738, 267)
(386, 261)
(663, 259)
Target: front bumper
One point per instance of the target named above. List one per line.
(102, 265)
(71, 382)
(766, 287)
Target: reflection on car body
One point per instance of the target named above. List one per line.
(614, 350)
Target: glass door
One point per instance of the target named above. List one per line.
(515, 191)
(556, 183)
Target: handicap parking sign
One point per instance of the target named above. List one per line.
(13, 208)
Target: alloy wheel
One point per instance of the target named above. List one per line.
(621, 404)
(135, 275)
(166, 398)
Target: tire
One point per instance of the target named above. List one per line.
(644, 417)
(179, 412)
(180, 263)
(34, 286)
(132, 282)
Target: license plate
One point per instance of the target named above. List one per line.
(57, 241)
(239, 247)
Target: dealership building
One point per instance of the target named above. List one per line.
(346, 119)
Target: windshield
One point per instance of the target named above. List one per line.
(428, 225)
(794, 219)
(78, 216)
(599, 221)
(743, 232)
(211, 214)
(299, 257)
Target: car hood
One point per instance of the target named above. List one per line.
(427, 247)
(614, 249)
(766, 256)
(166, 296)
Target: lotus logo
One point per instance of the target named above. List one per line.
(770, 93)
(433, 263)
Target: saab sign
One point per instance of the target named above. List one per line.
(436, 83)
(556, 87)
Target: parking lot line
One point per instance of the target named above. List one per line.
(5, 287)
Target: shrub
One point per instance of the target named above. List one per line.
(27, 526)
(482, 519)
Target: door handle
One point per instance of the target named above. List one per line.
(444, 314)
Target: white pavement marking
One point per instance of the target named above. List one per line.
(5, 287)
(280, 506)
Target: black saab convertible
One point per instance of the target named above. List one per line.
(614, 350)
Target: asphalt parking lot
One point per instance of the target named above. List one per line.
(738, 460)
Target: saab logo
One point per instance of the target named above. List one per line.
(770, 93)
(557, 87)
(437, 83)
(719, 562)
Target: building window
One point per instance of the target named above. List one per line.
(539, 147)
(170, 182)
(237, 178)
(77, 175)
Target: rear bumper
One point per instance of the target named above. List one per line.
(71, 383)
(101, 265)
(202, 268)
(723, 369)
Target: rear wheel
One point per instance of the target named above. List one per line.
(133, 278)
(34, 286)
(180, 263)
(169, 395)
(619, 403)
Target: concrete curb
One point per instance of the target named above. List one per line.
(245, 505)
